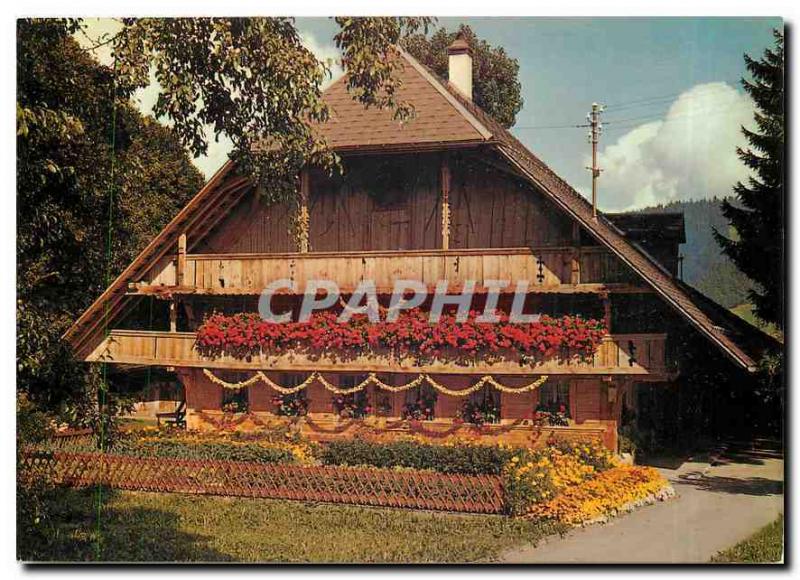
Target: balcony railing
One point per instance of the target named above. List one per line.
(547, 269)
(619, 354)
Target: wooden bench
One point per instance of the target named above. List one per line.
(176, 417)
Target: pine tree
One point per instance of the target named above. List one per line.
(757, 249)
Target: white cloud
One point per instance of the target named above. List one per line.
(690, 153)
(326, 53)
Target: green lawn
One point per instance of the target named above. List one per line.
(765, 546)
(143, 527)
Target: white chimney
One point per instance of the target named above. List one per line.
(460, 65)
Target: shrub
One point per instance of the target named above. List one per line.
(526, 482)
(627, 445)
(532, 477)
(463, 458)
(178, 445)
(33, 486)
(215, 450)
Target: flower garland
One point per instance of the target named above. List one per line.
(229, 422)
(411, 335)
(418, 428)
(317, 428)
(372, 379)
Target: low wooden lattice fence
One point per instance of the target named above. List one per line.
(373, 487)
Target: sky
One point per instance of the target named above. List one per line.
(674, 105)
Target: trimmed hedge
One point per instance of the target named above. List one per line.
(184, 448)
(465, 459)
(223, 451)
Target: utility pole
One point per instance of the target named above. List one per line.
(595, 129)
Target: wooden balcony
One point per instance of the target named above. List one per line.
(641, 355)
(547, 269)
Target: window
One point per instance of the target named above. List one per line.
(355, 405)
(420, 403)
(554, 398)
(384, 400)
(292, 405)
(235, 400)
(483, 406)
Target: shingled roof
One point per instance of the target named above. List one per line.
(443, 118)
(698, 312)
(651, 227)
(439, 117)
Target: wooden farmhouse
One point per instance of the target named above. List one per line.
(447, 196)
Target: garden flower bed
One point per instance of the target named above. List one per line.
(617, 490)
(567, 482)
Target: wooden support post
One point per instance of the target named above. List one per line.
(189, 309)
(180, 267)
(303, 216)
(173, 315)
(607, 311)
(608, 354)
(575, 274)
(445, 178)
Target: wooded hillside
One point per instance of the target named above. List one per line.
(704, 265)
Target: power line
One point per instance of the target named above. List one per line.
(621, 123)
(647, 100)
(708, 111)
(624, 105)
(525, 128)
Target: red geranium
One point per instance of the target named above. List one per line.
(246, 334)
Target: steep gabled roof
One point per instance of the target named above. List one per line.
(697, 312)
(439, 117)
(216, 197)
(443, 118)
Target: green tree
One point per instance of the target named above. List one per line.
(758, 248)
(66, 166)
(79, 139)
(252, 80)
(496, 85)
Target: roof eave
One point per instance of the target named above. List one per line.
(744, 361)
(411, 146)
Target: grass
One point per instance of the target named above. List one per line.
(763, 547)
(153, 527)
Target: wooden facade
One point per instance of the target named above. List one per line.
(497, 229)
(449, 195)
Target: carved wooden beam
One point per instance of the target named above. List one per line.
(180, 265)
(445, 179)
(575, 261)
(303, 215)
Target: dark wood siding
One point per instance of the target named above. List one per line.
(493, 210)
(375, 208)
